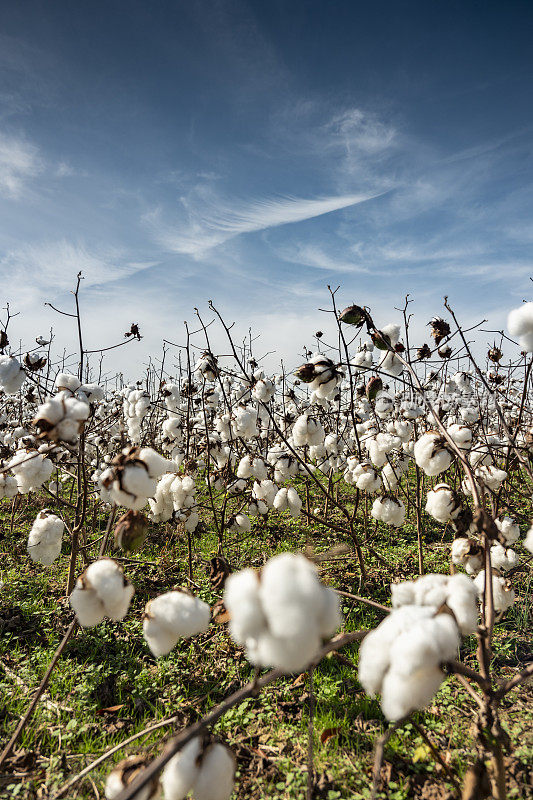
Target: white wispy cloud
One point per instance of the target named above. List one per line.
(212, 223)
(19, 162)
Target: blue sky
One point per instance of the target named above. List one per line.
(253, 152)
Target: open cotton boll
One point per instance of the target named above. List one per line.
(101, 590)
(241, 598)
(431, 455)
(171, 616)
(31, 469)
(265, 490)
(491, 476)
(181, 771)
(362, 360)
(44, 541)
(528, 541)
(503, 559)
(366, 478)
(66, 381)
(509, 529)
(287, 653)
(391, 364)
(468, 554)
(155, 464)
(502, 592)
(125, 773)
(294, 503)
(8, 486)
(469, 414)
(442, 503)
(61, 418)
(244, 470)
(461, 435)
(12, 376)
(215, 778)
(389, 510)
(457, 591)
(520, 324)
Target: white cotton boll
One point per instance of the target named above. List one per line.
(136, 481)
(181, 771)
(503, 559)
(431, 455)
(389, 510)
(287, 653)
(528, 541)
(281, 501)
(463, 381)
(265, 490)
(259, 469)
(244, 470)
(44, 541)
(12, 376)
(520, 324)
(330, 616)
(461, 435)
(216, 775)
(403, 694)
(123, 774)
(87, 606)
(383, 405)
(467, 553)
(362, 360)
(502, 591)
(491, 476)
(294, 503)
(156, 465)
(66, 381)
(106, 577)
(469, 415)
(391, 364)
(241, 598)
(442, 504)
(457, 591)
(377, 456)
(8, 486)
(171, 616)
(291, 594)
(509, 529)
(366, 478)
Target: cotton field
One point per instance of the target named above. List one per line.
(360, 517)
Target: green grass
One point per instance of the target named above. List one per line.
(110, 666)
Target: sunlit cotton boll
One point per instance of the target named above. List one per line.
(442, 503)
(31, 469)
(508, 529)
(431, 455)
(467, 553)
(8, 486)
(389, 510)
(457, 591)
(366, 478)
(44, 541)
(502, 558)
(207, 775)
(520, 325)
(461, 435)
(61, 418)
(502, 592)
(172, 616)
(528, 541)
(101, 591)
(12, 376)
(125, 773)
(401, 658)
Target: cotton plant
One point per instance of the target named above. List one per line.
(281, 615)
(388, 509)
(136, 406)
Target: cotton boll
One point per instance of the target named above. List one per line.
(171, 616)
(468, 554)
(509, 530)
(457, 591)
(366, 478)
(503, 559)
(155, 464)
(442, 503)
(241, 598)
(528, 541)
(125, 773)
(330, 616)
(12, 376)
(403, 694)
(8, 486)
(216, 775)
(502, 591)
(44, 541)
(469, 414)
(461, 435)
(391, 364)
(244, 470)
(66, 381)
(389, 510)
(491, 476)
(107, 579)
(293, 502)
(86, 604)
(287, 653)
(281, 501)
(520, 324)
(181, 771)
(431, 455)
